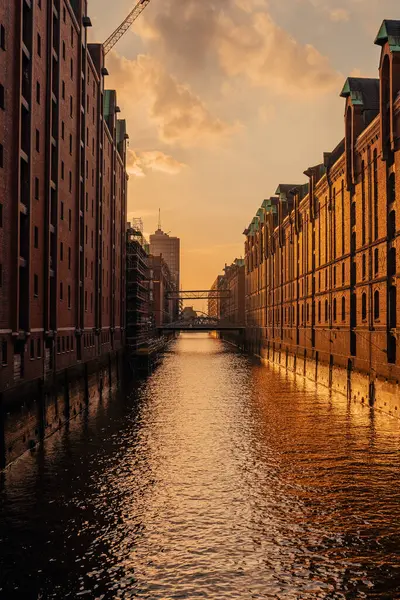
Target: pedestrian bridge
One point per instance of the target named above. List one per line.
(202, 324)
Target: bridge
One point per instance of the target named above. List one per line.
(198, 294)
(202, 324)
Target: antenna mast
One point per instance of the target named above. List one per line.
(159, 219)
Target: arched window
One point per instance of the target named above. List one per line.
(334, 309)
(343, 308)
(376, 305)
(376, 261)
(392, 262)
(308, 312)
(364, 266)
(364, 306)
(343, 273)
(326, 310)
(319, 311)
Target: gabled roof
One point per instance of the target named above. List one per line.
(389, 32)
(285, 188)
(362, 92)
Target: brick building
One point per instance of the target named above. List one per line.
(63, 187)
(232, 307)
(214, 304)
(161, 283)
(321, 268)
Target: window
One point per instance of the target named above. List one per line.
(376, 261)
(2, 96)
(70, 144)
(91, 302)
(64, 14)
(69, 219)
(3, 352)
(61, 251)
(36, 188)
(72, 68)
(69, 258)
(32, 348)
(86, 301)
(2, 37)
(364, 306)
(376, 305)
(71, 106)
(72, 36)
(343, 273)
(70, 181)
(39, 45)
(58, 345)
(63, 343)
(38, 348)
(36, 285)
(36, 237)
(364, 266)
(326, 310)
(69, 296)
(37, 140)
(334, 309)
(63, 50)
(343, 308)
(62, 211)
(61, 290)
(1, 156)
(38, 92)
(67, 343)
(63, 90)
(62, 129)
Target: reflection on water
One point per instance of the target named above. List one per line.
(217, 478)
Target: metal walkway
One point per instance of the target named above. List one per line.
(202, 324)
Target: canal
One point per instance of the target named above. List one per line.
(215, 478)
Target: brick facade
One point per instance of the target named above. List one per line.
(321, 273)
(63, 190)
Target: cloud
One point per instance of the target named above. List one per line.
(339, 14)
(138, 163)
(241, 39)
(180, 115)
(269, 57)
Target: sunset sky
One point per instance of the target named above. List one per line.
(225, 99)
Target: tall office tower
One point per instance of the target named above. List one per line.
(63, 187)
(169, 247)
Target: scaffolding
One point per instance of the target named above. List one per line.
(138, 321)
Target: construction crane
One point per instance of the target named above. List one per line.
(125, 25)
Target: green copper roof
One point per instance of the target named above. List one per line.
(121, 130)
(260, 215)
(389, 32)
(109, 102)
(362, 91)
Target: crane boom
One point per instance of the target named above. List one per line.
(125, 25)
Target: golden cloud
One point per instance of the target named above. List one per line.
(180, 116)
(138, 163)
(243, 40)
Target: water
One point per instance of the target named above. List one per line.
(217, 478)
